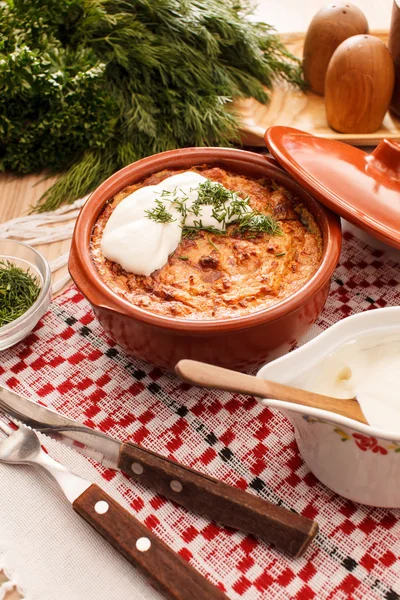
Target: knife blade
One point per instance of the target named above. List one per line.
(95, 444)
(195, 491)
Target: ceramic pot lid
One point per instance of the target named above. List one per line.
(363, 188)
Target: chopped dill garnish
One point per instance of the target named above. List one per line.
(212, 243)
(160, 214)
(239, 206)
(257, 222)
(225, 203)
(213, 193)
(189, 233)
(19, 289)
(227, 207)
(280, 254)
(178, 201)
(181, 206)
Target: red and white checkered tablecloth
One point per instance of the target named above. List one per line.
(69, 363)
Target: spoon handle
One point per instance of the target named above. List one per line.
(210, 376)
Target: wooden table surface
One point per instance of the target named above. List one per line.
(19, 194)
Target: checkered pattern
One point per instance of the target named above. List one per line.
(71, 364)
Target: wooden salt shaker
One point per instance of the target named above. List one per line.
(394, 47)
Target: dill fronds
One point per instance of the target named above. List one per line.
(18, 291)
(227, 207)
(88, 86)
(159, 214)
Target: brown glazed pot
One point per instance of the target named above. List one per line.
(239, 342)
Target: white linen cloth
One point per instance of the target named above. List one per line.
(48, 550)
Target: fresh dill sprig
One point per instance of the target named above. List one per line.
(181, 206)
(256, 222)
(159, 214)
(227, 207)
(190, 232)
(212, 243)
(238, 206)
(213, 193)
(19, 289)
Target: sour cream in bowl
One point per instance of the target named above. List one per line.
(358, 356)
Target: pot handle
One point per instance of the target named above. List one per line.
(386, 159)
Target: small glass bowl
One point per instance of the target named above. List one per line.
(25, 257)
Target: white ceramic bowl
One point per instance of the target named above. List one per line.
(357, 461)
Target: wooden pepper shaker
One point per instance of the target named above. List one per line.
(394, 47)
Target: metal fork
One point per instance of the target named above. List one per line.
(172, 575)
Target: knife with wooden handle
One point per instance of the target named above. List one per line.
(167, 571)
(204, 495)
(219, 501)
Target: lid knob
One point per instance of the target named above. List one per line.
(386, 158)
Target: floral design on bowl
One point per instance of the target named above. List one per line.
(355, 460)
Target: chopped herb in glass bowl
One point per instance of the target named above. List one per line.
(25, 290)
(19, 289)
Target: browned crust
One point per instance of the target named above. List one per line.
(214, 276)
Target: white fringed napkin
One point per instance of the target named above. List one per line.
(45, 228)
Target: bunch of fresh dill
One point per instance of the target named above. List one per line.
(88, 86)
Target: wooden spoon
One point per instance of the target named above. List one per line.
(209, 376)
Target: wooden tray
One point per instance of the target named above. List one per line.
(306, 111)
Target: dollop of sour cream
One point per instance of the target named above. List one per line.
(368, 369)
(141, 245)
